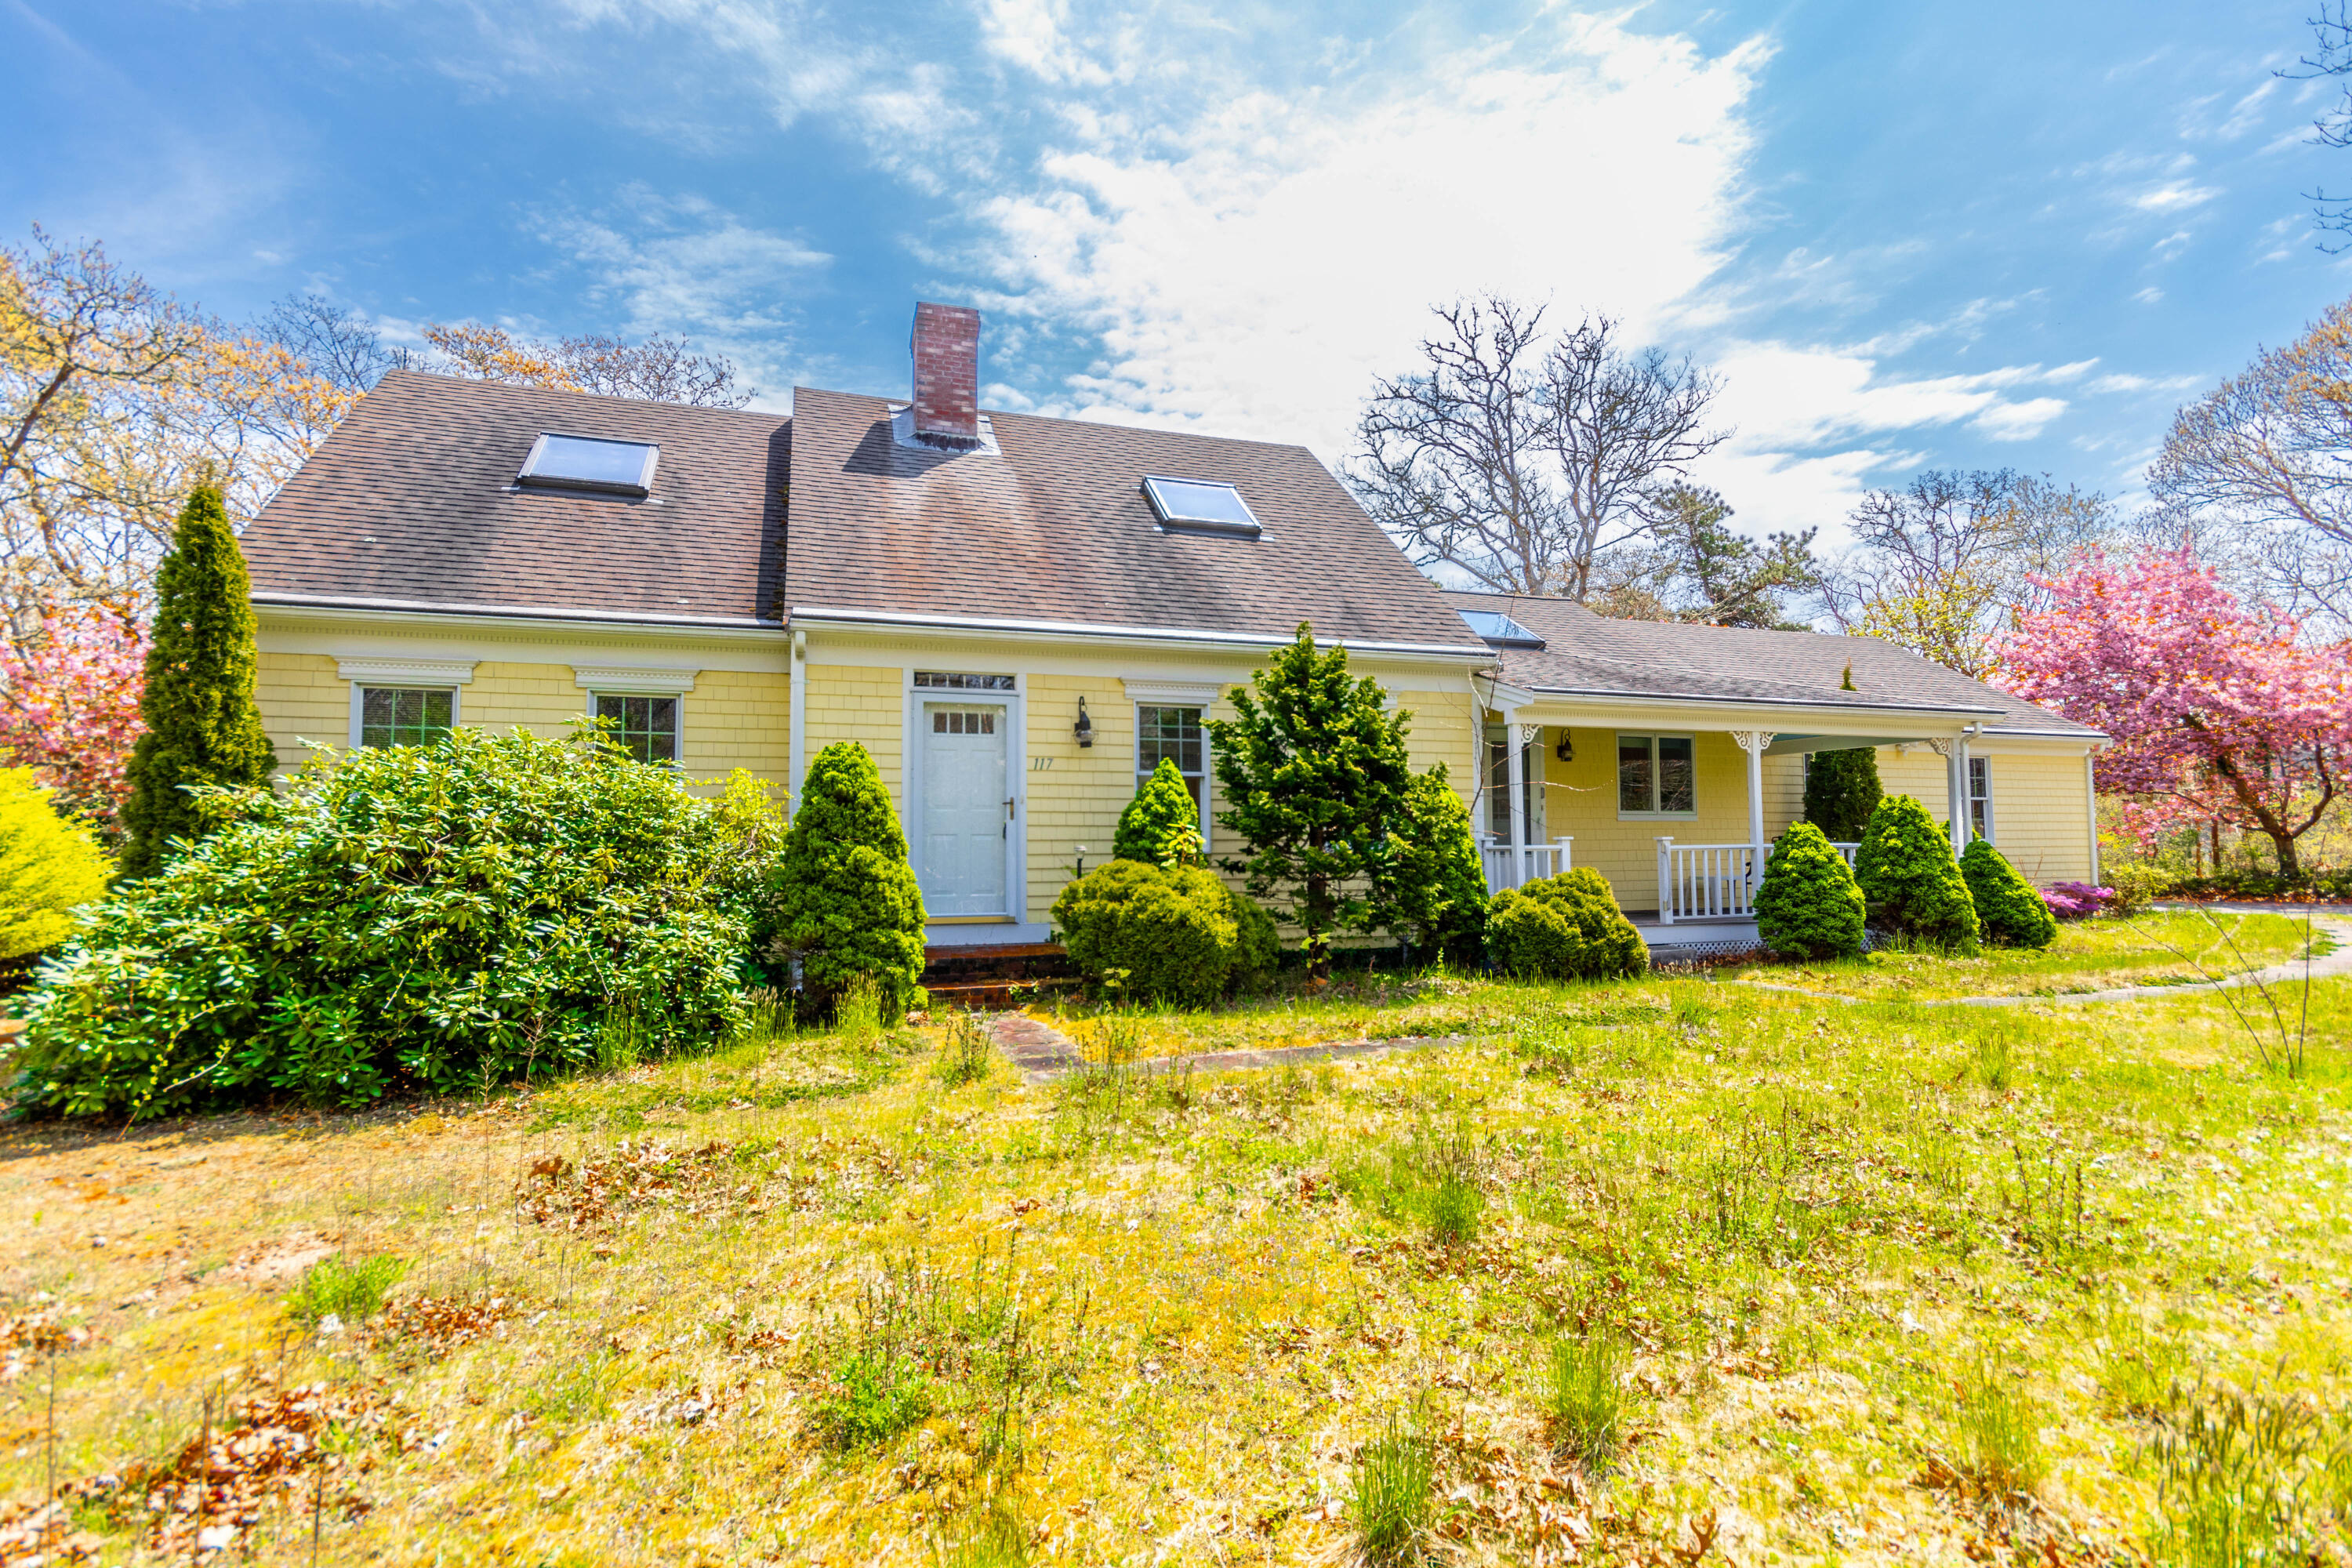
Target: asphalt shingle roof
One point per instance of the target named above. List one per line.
(1053, 527)
(1586, 653)
(412, 502)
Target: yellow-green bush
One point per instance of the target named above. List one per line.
(47, 867)
(1567, 927)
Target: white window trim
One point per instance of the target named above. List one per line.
(1208, 764)
(677, 738)
(1615, 785)
(1992, 822)
(406, 672)
(912, 698)
(632, 682)
(360, 689)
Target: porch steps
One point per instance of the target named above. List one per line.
(988, 976)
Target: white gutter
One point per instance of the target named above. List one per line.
(990, 626)
(797, 722)
(1681, 700)
(306, 606)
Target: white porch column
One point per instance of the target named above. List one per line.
(1953, 749)
(1753, 743)
(1516, 751)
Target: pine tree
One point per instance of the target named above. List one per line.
(1807, 905)
(1437, 888)
(1842, 790)
(1905, 869)
(204, 726)
(1161, 806)
(1316, 771)
(2013, 914)
(847, 904)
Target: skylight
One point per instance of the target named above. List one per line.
(1499, 629)
(591, 463)
(1200, 504)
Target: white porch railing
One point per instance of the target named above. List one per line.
(1705, 881)
(1714, 882)
(1509, 867)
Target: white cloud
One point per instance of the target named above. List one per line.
(2128, 383)
(2149, 295)
(2174, 195)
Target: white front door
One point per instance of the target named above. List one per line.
(967, 818)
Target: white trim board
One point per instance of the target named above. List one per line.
(406, 672)
(624, 682)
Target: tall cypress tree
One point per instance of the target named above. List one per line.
(1315, 769)
(204, 726)
(1841, 788)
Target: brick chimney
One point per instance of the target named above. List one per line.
(947, 375)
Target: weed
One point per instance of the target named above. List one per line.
(997, 1541)
(2138, 1370)
(767, 1018)
(1396, 1498)
(967, 1055)
(577, 1390)
(1431, 1178)
(1999, 1433)
(620, 1040)
(2246, 1477)
(1989, 1060)
(875, 1394)
(1584, 1396)
(350, 1292)
(857, 1013)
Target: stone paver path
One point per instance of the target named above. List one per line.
(2291, 973)
(1041, 1051)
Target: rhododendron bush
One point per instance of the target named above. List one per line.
(2219, 710)
(70, 705)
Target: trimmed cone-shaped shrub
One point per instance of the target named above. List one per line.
(1567, 927)
(1906, 872)
(1161, 806)
(47, 867)
(203, 725)
(2010, 912)
(413, 918)
(846, 903)
(1841, 792)
(1808, 906)
(1438, 889)
(1162, 934)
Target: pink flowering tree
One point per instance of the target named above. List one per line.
(70, 705)
(2218, 712)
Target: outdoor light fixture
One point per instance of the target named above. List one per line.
(1566, 750)
(1084, 728)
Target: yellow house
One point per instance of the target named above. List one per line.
(1020, 618)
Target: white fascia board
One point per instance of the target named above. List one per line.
(303, 606)
(1762, 712)
(1175, 693)
(814, 615)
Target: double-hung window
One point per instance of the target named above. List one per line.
(645, 727)
(1657, 775)
(1981, 799)
(405, 716)
(1176, 735)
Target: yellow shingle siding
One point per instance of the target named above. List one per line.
(302, 699)
(866, 703)
(2040, 815)
(1581, 799)
(732, 718)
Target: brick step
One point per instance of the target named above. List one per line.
(985, 976)
(993, 995)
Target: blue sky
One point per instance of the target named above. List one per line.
(1908, 235)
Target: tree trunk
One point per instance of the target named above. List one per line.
(1319, 938)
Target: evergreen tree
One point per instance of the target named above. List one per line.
(846, 902)
(1161, 806)
(1807, 905)
(1842, 790)
(2014, 915)
(1905, 870)
(49, 866)
(204, 726)
(1315, 770)
(1437, 888)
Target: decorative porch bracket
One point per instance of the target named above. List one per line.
(1753, 743)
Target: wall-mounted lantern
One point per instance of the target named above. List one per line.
(1084, 728)
(1566, 750)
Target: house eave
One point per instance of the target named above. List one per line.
(811, 616)
(511, 618)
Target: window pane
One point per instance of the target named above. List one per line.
(1174, 734)
(645, 727)
(1677, 775)
(1633, 774)
(390, 716)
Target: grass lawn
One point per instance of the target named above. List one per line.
(2162, 948)
(1668, 1272)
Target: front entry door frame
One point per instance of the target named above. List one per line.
(1016, 703)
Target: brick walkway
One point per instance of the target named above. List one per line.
(1042, 1051)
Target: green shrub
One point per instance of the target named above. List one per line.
(2138, 885)
(204, 724)
(1906, 872)
(1437, 899)
(1162, 805)
(1842, 790)
(353, 1292)
(2007, 908)
(1567, 927)
(49, 867)
(437, 916)
(1180, 935)
(876, 1395)
(845, 901)
(1807, 905)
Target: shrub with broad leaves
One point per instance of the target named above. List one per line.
(429, 918)
(2077, 900)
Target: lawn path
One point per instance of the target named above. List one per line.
(2291, 972)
